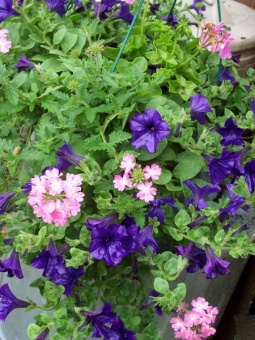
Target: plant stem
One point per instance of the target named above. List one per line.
(189, 59)
(145, 10)
(127, 36)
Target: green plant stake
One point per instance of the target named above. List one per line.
(220, 64)
(171, 11)
(127, 36)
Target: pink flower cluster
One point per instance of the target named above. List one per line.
(136, 177)
(5, 44)
(54, 199)
(194, 324)
(216, 38)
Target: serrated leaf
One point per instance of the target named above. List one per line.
(12, 94)
(118, 137)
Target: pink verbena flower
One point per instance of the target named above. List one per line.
(146, 191)
(128, 1)
(128, 163)
(153, 172)
(5, 44)
(177, 324)
(199, 305)
(121, 182)
(216, 38)
(54, 199)
(192, 318)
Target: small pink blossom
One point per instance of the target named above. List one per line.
(128, 1)
(191, 318)
(177, 324)
(128, 163)
(146, 191)
(121, 182)
(153, 172)
(199, 304)
(5, 44)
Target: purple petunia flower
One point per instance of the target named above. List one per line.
(67, 157)
(103, 7)
(199, 107)
(197, 200)
(104, 222)
(124, 13)
(100, 320)
(198, 9)
(249, 175)
(12, 266)
(105, 323)
(9, 302)
(6, 9)
(231, 133)
(148, 130)
(57, 6)
(43, 335)
(236, 58)
(252, 102)
(4, 200)
(106, 244)
(227, 163)
(171, 18)
(149, 302)
(146, 239)
(156, 210)
(197, 222)
(154, 8)
(225, 74)
(234, 203)
(24, 64)
(214, 264)
(55, 269)
(120, 332)
(195, 256)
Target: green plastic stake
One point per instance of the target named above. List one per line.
(220, 64)
(171, 11)
(127, 36)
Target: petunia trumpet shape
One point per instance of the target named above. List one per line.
(24, 64)
(199, 106)
(4, 200)
(231, 133)
(197, 200)
(214, 264)
(12, 266)
(9, 302)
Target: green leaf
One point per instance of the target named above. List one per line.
(147, 156)
(161, 285)
(175, 233)
(59, 35)
(69, 41)
(190, 165)
(140, 63)
(53, 292)
(164, 178)
(171, 266)
(33, 331)
(182, 218)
